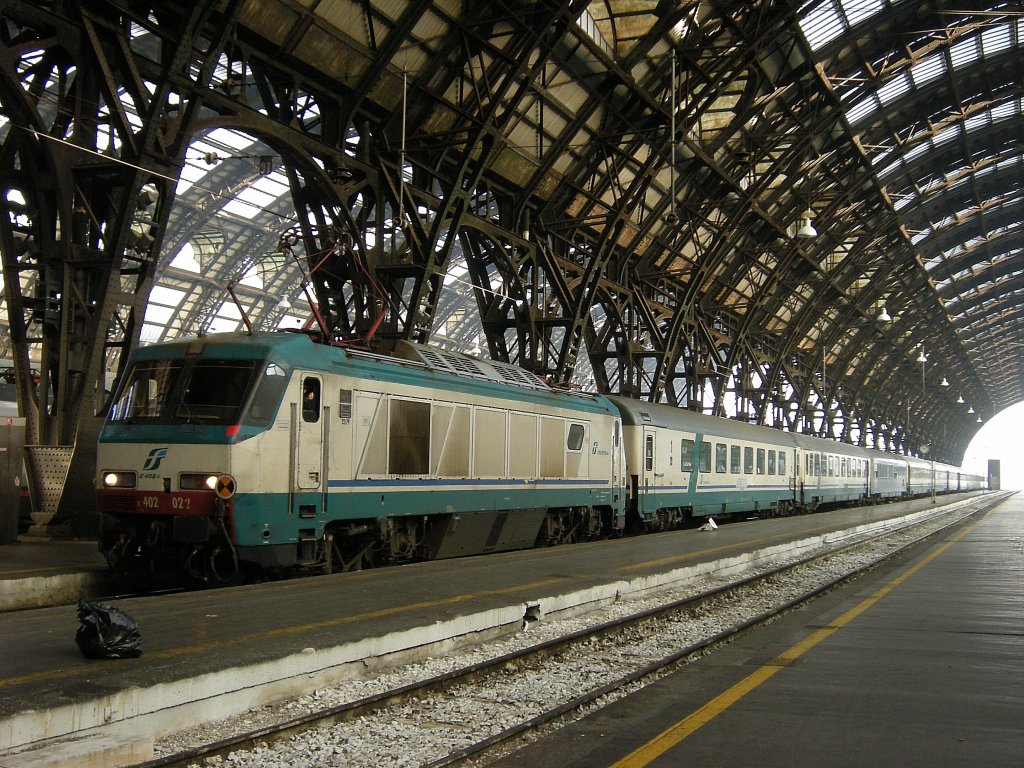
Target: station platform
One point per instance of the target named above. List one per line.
(36, 572)
(213, 653)
(919, 663)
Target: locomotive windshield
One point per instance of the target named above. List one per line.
(200, 391)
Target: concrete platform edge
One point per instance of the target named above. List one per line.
(45, 591)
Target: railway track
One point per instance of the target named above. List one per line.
(607, 659)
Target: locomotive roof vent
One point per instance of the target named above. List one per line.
(466, 366)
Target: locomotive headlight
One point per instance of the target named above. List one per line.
(197, 481)
(118, 479)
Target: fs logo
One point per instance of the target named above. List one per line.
(153, 460)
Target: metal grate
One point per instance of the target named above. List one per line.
(471, 367)
(48, 469)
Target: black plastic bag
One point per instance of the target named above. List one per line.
(107, 632)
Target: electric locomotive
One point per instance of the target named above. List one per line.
(271, 451)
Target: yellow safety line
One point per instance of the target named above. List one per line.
(672, 736)
(5, 574)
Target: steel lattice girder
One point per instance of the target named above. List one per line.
(669, 260)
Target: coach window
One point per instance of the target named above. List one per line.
(748, 461)
(705, 456)
(771, 462)
(760, 461)
(686, 450)
(817, 464)
(734, 459)
(720, 457)
(782, 463)
(311, 400)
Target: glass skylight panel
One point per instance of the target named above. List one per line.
(1003, 111)
(150, 333)
(920, 236)
(222, 325)
(273, 185)
(903, 202)
(248, 203)
(880, 157)
(977, 121)
(860, 10)
(916, 152)
(893, 166)
(996, 39)
(185, 259)
(1008, 162)
(190, 174)
(946, 134)
(822, 24)
(163, 295)
(927, 69)
(158, 315)
(965, 52)
(228, 138)
(862, 109)
(894, 89)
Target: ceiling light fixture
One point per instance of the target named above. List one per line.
(805, 229)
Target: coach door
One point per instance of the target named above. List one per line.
(309, 435)
(649, 483)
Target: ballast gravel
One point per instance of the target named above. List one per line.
(422, 731)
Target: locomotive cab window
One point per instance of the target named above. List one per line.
(146, 390)
(266, 397)
(311, 399)
(214, 390)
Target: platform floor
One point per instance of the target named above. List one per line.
(197, 645)
(920, 663)
(33, 557)
(37, 572)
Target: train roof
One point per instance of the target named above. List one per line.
(407, 362)
(639, 413)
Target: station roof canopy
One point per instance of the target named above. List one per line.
(834, 182)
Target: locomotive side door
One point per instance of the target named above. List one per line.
(309, 435)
